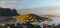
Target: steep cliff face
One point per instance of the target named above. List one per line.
(8, 12)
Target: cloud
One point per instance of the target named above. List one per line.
(6, 4)
(54, 10)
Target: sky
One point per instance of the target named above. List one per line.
(38, 6)
(28, 3)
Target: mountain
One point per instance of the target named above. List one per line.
(8, 12)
